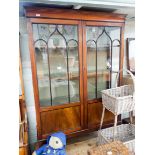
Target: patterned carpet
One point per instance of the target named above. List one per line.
(81, 145)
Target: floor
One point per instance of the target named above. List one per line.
(81, 144)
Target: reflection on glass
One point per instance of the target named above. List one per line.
(42, 73)
(115, 61)
(91, 69)
(103, 64)
(73, 63)
(62, 63)
(102, 58)
(58, 69)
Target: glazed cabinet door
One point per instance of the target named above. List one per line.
(102, 61)
(56, 54)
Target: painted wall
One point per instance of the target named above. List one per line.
(27, 74)
(129, 33)
(27, 78)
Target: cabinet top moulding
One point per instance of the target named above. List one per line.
(41, 12)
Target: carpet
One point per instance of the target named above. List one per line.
(80, 148)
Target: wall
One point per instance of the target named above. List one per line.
(27, 74)
(27, 78)
(129, 33)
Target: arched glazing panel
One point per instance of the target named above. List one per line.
(104, 44)
(104, 59)
(42, 72)
(57, 48)
(63, 62)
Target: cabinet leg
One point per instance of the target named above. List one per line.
(131, 116)
(115, 124)
(101, 123)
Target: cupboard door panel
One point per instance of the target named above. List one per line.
(57, 63)
(95, 112)
(61, 120)
(57, 74)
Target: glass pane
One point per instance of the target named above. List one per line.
(102, 58)
(62, 58)
(73, 63)
(42, 73)
(58, 68)
(91, 69)
(115, 35)
(115, 62)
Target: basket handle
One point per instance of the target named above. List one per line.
(132, 76)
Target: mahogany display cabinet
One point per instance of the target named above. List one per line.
(74, 55)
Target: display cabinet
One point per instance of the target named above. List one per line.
(74, 55)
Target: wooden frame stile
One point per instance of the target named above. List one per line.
(81, 72)
(34, 78)
(121, 53)
(85, 73)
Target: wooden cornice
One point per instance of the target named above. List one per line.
(41, 12)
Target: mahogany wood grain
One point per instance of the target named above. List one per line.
(97, 23)
(62, 106)
(61, 119)
(83, 116)
(81, 72)
(85, 73)
(39, 12)
(121, 55)
(54, 21)
(23, 150)
(79, 131)
(95, 112)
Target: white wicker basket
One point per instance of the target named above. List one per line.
(124, 133)
(120, 99)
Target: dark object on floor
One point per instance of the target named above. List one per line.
(127, 120)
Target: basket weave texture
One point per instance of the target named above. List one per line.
(119, 100)
(124, 133)
(116, 148)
